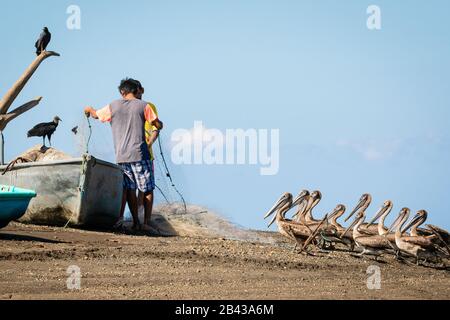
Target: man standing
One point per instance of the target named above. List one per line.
(151, 134)
(127, 117)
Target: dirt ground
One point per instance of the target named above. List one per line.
(34, 262)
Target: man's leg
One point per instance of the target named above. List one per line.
(146, 183)
(133, 205)
(141, 203)
(119, 222)
(148, 206)
(130, 186)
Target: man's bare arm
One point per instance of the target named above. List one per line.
(152, 138)
(90, 112)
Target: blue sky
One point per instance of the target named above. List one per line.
(358, 110)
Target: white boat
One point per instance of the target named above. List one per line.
(80, 192)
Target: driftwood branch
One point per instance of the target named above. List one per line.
(6, 118)
(12, 94)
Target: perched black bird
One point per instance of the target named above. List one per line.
(45, 129)
(75, 130)
(43, 41)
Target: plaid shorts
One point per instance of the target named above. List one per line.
(138, 175)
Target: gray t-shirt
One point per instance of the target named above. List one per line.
(127, 119)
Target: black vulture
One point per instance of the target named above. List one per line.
(45, 129)
(43, 41)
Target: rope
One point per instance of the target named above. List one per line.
(161, 176)
(159, 189)
(169, 176)
(11, 165)
(90, 134)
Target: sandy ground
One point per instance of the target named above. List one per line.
(34, 261)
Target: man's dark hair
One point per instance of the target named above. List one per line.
(129, 85)
(139, 84)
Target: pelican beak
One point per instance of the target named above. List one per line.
(299, 199)
(412, 222)
(377, 216)
(393, 225)
(349, 228)
(333, 213)
(295, 214)
(396, 221)
(358, 206)
(275, 206)
(272, 221)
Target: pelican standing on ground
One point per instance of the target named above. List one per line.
(347, 239)
(430, 230)
(381, 214)
(307, 203)
(328, 233)
(443, 234)
(407, 244)
(419, 219)
(371, 244)
(336, 214)
(432, 242)
(288, 228)
(363, 204)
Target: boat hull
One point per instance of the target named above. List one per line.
(13, 203)
(82, 192)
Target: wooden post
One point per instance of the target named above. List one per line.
(6, 118)
(12, 94)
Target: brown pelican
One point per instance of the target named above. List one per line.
(295, 230)
(363, 204)
(336, 214)
(347, 239)
(313, 201)
(303, 214)
(328, 233)
(444, 235)
(371, 244)
(427, 238)
(416, 246)
(381, 214)
(302, 201)
(418, 220)
(288, 228)
(430, 230)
